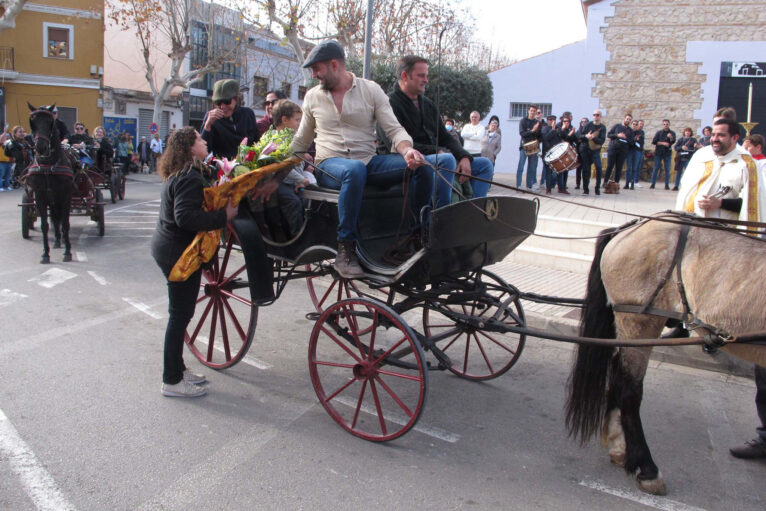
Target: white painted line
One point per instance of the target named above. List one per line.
(126, 236)
(98, 278)
(8, 297)
(131, 222)
(642, 498)
(136, 228)
(251, 361)
(82, 257)
(142, 307)
(53, 277)
(37, 482)
(126, 208)
(431, 431)
(140, 212)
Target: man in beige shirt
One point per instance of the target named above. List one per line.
(339, 115)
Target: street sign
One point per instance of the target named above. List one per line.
(153, 128)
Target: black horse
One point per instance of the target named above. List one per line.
(50, 178)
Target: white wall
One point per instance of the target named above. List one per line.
(562, 77)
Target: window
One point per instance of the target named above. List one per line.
(301, 92)
(58, 41)
(287, 88)
(520, 110)
(260, 86)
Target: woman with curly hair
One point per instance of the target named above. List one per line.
(181, 217)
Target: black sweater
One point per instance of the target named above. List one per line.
(181, 216)
(617, 143)
(423, 124)
(600, 137)
(225, 134)
(525, 130)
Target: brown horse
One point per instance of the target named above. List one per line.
(50, 178)
(721, 274)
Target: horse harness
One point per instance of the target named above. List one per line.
(715, 336)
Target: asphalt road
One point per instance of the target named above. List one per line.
(83, 424)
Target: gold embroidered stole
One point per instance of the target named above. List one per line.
(689, 206)
(752, 189)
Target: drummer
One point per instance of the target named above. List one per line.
(530, 130)
(551, 138)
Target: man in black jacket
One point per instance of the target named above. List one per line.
(663, 142)
(419, 116)
(620, 140)
(228, 123)
(530, 130)
(591, 139)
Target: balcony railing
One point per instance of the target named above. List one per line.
(6, 59)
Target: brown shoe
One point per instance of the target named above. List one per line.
(346, 262)
(754, 449)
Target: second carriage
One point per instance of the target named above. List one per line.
(368, 348)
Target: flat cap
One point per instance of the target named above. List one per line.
(224, 90)
(324, 51)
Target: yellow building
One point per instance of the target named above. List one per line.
(54, 54)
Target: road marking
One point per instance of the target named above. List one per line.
(142, 307)
(38, 483)
(8, 297)
(126, 208)
(98, 278)
(133, 222)
(642, 498)
(82, 257)
(53, 277)
(251, 361)
(431, 431)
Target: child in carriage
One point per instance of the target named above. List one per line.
(287, 114)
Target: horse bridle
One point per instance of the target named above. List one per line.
(45, 137)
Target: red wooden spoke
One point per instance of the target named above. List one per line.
(467, 348)
(235, 321)
(340, 343)
(234, 296)
(452, 341)
(224, 330)
(359, 403)
(378, 408)
(233, 276)
(211, 337)
(194, 335)
(506, 348)
(394, 396)
(341, 389)
(371, 348)
(400, 375)
(483, 353)
(388, 351)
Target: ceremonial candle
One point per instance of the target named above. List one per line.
(749, 101)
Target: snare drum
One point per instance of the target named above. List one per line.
(561, 157)
(532, 147)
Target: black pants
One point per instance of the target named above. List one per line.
(760, 399)
(590, 157)
(182, 297)
(615, 159)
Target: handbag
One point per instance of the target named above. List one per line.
(594, 146)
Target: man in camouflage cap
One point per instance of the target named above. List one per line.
(228, 122)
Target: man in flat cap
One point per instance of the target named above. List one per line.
(228, 122)
(340, 115)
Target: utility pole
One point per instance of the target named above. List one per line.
(367, 70)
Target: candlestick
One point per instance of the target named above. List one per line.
(749, 101)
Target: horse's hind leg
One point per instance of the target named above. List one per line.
(42, 212)
(62, 205)
(56, 221)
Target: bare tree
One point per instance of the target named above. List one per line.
(9, 9)
(164, 28)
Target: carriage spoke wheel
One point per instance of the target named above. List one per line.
(477, 354)
(368, 369)
(325, 290)
(223, 326)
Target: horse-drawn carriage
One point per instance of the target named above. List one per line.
(367, 353)
(113, 178)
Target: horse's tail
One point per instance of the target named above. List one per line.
(587, 400)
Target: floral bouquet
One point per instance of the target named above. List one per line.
(235, 179)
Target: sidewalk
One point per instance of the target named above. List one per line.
(541, 280)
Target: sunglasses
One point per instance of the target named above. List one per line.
(267, 102)
(224, 102)
(596, 115)
(79, 127)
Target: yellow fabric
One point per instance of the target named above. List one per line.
(752, 183)
(204, 245)
(689, 208)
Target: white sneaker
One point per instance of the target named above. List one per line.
(638, 185)
(183, 389)
(194, 378)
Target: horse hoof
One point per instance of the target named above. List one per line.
(653, 486)
(618, 458)
(45, 260)
(67, 258)
(57, 244)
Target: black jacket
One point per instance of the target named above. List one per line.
(550, 138)
(638, 140)
(181, 216)
(63, 130)
(620, 144)
(76, 139)
(225, 134)
(424, 125)
(20, 151)
(663, 136)
(525, 130)
(104, 152)
(600, 137)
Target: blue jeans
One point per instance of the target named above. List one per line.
(661, 159)
(350, 177)
(633, 166)
(5, 174)
(481, 168)
(531, 169)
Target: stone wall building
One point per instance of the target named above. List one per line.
(674, 59)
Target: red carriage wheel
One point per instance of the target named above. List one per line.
(223, 326)
(368, 369)
(477, 354)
